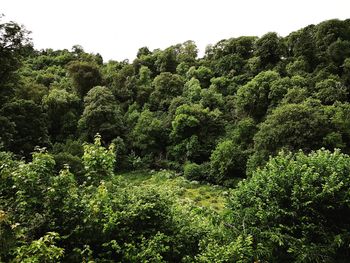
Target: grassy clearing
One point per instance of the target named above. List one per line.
(201, 195)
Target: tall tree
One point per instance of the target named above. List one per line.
(14, 42)
(101, 115)
(85, 76)
(29, 124)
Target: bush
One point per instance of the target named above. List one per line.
(98, 161)
(100, 221)
(240, 250)
(74, 163)
(196, 172)
(7, 236)
(227, 161)
(41, 250)
(192, 171)
(297, 207)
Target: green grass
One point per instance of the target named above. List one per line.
(201, 195)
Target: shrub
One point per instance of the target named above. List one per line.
(41, 250)
(227, 161)
(98, 161)
(297, 207)
(196, 172)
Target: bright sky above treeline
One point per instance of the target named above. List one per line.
(117, 29)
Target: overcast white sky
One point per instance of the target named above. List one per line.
(118, 28)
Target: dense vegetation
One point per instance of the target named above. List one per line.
(260, 118)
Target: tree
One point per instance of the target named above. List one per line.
(224, 85)
(166, 60)
(188, 52)
(253, 98)
(302, 45)
(346, 74)
(202, 73)
(269, 48)
(329, 91)
(193, 172)
(121, 79)
(144, 83)
(166, 87)
(211, 99)
(297, 67)
(149, 134)
(144, 51)
(85, 76)
(63, 109)
(101, 115)
(32, 182)
(281, 87)
(229, 57)
(194, 131)
(339, 51)
(29, 125)
(192, 90)
(292, 127)
(14, 43)
(330, 31)
(227, 161)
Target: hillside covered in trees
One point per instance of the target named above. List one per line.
(264, 119)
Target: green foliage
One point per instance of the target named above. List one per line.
(194, 172)
(346, 67)
(202, 73)
(303, 47)
(166, 60)
(150, 250)
(7, 236)
(166, 87)
(41, 250)
(217, 118)
(113, 220)
(148, 133)
(269, 48)
(192, 90)
(281, 89)
(292, 207)
(31, 182)
(188, 52)
(297, 67)
(101, 115)
(240, 250)
(14, 42)
(69, 153)
(293, 127)
(339, 51)
(230, 57)
(194, 130)
(329, 91)
(212, 99)
(30, 90)
(253, 98)
(7, 167)
(63, 109)
(85, 76)
(199, 194)
(29, 126)
(98, 161)
(227, 161)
